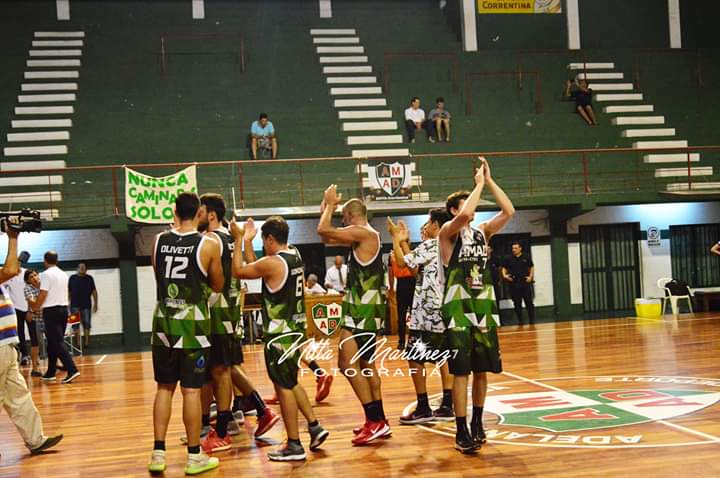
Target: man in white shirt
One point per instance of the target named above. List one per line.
(336, 276)
(53, 300)
(312, 287)
(415, 119)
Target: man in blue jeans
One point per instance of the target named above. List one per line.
(83, 299)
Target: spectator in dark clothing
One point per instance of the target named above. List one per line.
(402, 279)
(582, 95)
(519, 271)
(83, 299)
(495, 265)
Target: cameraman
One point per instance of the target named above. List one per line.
(15, 397)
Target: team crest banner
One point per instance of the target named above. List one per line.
(326, 317)
(389, 180)
(151, 200)
(519, 6)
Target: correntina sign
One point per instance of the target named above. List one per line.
(519, 6)
(389, 180)
(151, 200)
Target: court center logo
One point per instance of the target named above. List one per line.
(600, 412)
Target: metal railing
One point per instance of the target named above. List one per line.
(91, 192)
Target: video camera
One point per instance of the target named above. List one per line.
(26, 220)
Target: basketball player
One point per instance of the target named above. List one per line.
(469, 304)
(187, 269)
(363, 307)
(283, 293)
(427, 329)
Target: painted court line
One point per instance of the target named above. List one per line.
(100, 360)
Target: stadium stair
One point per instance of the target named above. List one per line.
(599, 76)
(42, 121)
(348, 76)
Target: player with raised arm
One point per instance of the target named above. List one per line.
(469, 308)
(363, 307)
(427, 329)
(187, 270)
(283, 302)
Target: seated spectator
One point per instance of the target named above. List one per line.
(312, 287)
(582, 95)
(440, 117)
(262, 134)
(415, 120)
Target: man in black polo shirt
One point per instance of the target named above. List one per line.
(519, 272)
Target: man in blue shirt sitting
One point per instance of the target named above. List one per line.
(262, 134)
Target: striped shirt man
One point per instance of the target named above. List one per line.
(8, 320)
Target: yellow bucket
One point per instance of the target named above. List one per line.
(648, 308)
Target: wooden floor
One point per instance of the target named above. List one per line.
(643, 403)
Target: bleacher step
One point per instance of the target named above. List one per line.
(671, 158)
(600, 76)
(66, 43)
(332, 31)
(42, 53)
(340, 49)
(40, 75)
(46, 98)
(39, 196)
(647, 132)
(360, 90)
(367, 114)
(49, 87)
(44, 123)
(680, 172)
(75, 34)
(34, 150)
(353, 103)
(336, 40)
(44, 110)
(591, 66)
(347, 69)
(692, 187)
(335, 80)
(369, 126)
(343, 59)
(24, 181)
(619, 97)
(376, 139)
(39, 136)
(380, 153)
(660, 144)
(51, 63)
(623, 120)
(629, 109)
(610, 86)
(15, 166)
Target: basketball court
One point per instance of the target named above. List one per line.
(606, 397)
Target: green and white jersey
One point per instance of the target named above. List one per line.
(364, 301)
(284, 307)
(469, 298)
(182, 317)
(225, 314)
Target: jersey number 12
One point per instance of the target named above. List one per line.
(175, 267)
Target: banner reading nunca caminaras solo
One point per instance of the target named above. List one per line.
(519, 6)
(152, 200)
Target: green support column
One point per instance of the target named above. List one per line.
(560, 264)
(125, 235)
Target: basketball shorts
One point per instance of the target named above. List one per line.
(473, 350)
(281, 361)
(188, 366)
(425, 347)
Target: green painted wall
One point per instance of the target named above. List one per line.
(624, 24)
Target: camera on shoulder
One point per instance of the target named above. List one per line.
(26, 220)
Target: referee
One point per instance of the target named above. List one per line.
(53, 300)
(519, 272)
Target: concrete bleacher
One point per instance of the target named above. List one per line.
(126, 111)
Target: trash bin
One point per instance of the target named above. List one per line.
(648, 308)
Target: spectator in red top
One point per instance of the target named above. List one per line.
(402, 280)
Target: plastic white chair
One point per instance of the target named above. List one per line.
(668, 296)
